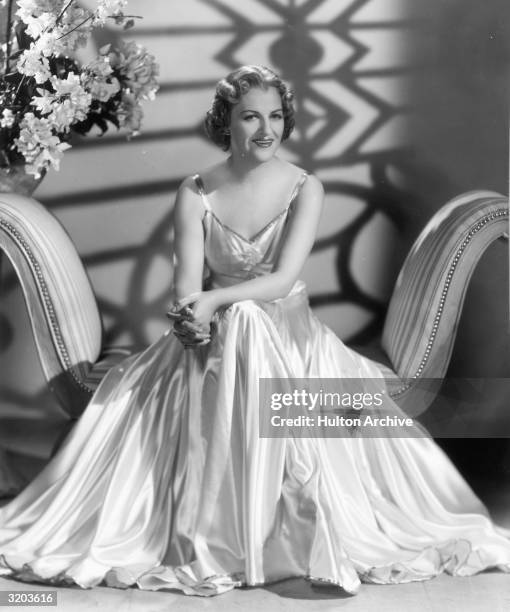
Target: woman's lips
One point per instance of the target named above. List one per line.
(263, 142)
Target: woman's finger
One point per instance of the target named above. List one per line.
(191, 337)
(173, 315)
(189, 299)
(188, 326)
(195, 344)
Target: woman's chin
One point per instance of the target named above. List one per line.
(261, 155)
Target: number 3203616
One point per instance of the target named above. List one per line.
(28, 598)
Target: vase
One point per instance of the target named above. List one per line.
(14, 179)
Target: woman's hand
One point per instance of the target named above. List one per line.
(187, 332)
(203, 306)
(190, 336)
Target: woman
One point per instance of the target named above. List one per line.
(165, 481)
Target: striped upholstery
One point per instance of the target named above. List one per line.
(108, 359)
(62, 307)
(426, 304)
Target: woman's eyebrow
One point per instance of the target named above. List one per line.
(249, 110)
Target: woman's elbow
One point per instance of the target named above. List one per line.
(285, 283)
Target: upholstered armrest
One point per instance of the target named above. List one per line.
(426, 304)
(61, 305)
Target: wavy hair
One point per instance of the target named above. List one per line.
(228, 93)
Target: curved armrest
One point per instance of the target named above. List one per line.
(62, 308)
(426, 304)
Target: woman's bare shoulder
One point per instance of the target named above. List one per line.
(188, 199)
(211, 176)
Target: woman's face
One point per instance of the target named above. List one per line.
(256, 125)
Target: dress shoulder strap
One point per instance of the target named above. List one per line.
(298, 186)
(201, 190)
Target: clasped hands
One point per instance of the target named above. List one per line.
(192, 317)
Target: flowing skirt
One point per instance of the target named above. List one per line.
(166, 483)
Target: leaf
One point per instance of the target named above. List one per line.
(23, 39)
(129, 24)
(113, 119)
(15, 55)
(101, 124)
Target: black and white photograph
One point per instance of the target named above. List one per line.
(254, 305)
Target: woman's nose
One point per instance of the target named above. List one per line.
(265, 125)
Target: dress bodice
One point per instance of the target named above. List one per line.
(232, 258)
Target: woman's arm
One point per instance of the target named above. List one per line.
(188, 241)
(298, 243)
(188, 262)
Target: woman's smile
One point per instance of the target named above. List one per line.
(263, 142)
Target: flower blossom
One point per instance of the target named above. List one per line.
(98, 80)
(40, 17)
(138, 67)
(28, 9)
(38, 145)
(72, 89)
(33, 63)
(59, 113)
(130, 113)
(64, 115)
(76, 25)
(7, 119)
(67, 104)
(108, 8)
(49, 43)
(40, 24)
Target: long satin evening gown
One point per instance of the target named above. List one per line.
(166, 483)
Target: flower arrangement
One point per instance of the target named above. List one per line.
(46, 94)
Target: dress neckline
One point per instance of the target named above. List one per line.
(201, 189)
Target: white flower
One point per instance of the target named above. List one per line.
(130, 113)
(97, 79)
(38, 145)
(76, 24)
(49, 43)
(37, 25)
(27, 9)
(68, 104)
(33, 63)
(7, 119)
(72, 89)
(63, 116)
(99, 89)
(44, 102)
(108, 8)
(138, 67)
(100, 67)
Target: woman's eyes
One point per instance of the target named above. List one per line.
(277, 116)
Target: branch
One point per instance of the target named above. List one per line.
(59, 18)
(8, 36)
(75, 28)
